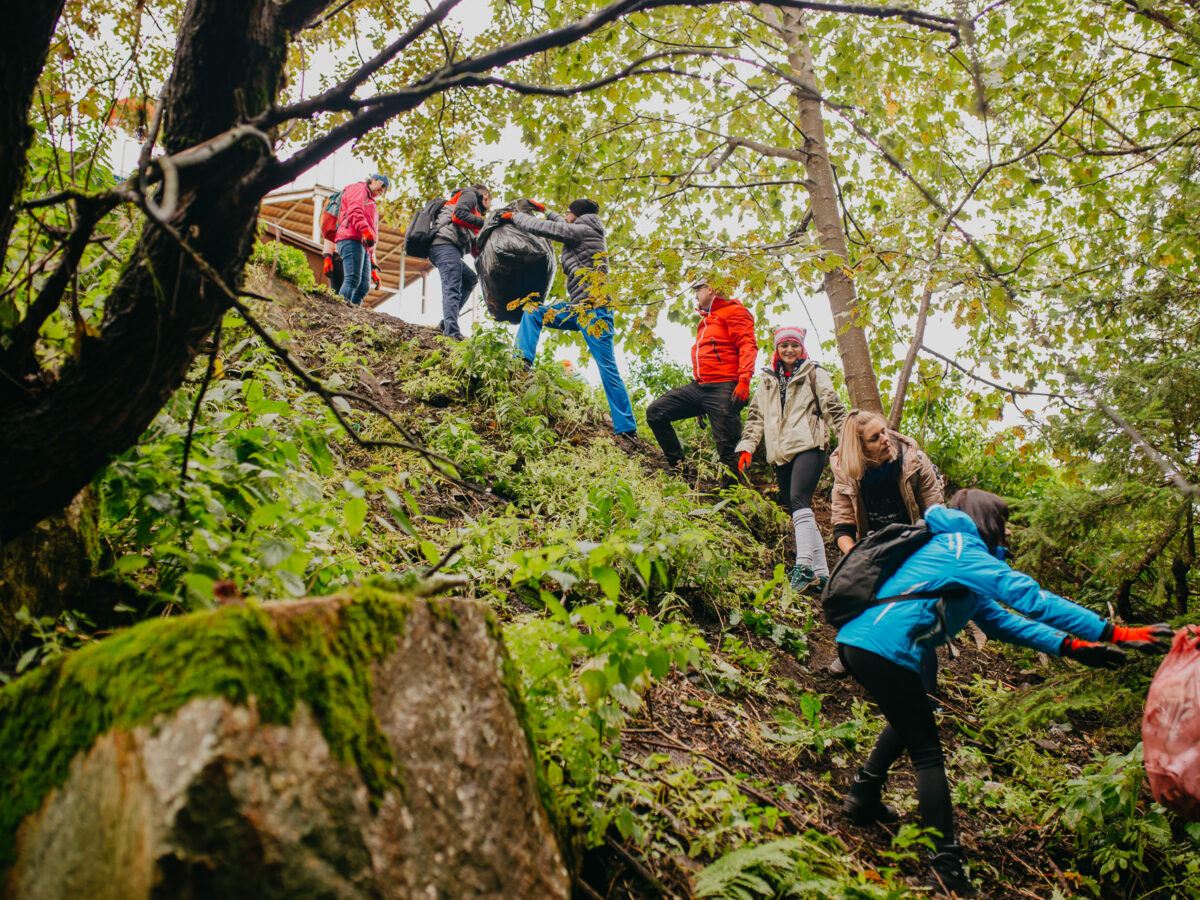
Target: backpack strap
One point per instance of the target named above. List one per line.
(812, 385)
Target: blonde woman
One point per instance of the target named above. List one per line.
(879, 477)
(796, 409)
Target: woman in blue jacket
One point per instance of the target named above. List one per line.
(884, 646)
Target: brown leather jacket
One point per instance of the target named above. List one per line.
(920, 487)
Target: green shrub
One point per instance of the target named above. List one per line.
(288, 263)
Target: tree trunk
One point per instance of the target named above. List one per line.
(229, 64)
(1179, 572)
(30, 27)
(48, 568)
(910, 358)
(839, 286)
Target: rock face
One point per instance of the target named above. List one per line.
(228, 796)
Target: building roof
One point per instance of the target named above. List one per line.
(293, 216)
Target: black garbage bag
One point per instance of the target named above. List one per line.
(512, 265)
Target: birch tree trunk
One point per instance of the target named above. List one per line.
(839, 286)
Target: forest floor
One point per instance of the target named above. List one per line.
(730, 729)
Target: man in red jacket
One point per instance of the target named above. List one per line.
(722, 365)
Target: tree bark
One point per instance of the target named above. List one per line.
(30, 27)
(229, 64)
(839, 286)
(1179, 572)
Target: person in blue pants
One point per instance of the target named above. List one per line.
(585, 263)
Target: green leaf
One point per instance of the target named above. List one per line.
(609, 581)
(354, 514)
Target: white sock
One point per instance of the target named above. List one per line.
(810, 546)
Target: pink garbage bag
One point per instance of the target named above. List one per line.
(1171, 727)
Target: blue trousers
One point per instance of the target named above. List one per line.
(356, 271)
(601, 348)
(458, 280)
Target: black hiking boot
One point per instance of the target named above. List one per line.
(946, 872)
(863, 804)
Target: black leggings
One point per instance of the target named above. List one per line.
(910, 726)
(798, 478)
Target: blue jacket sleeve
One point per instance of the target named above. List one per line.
(998, 622)
(988, 577)
(553, 226)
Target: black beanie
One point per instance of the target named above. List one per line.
(584, 206)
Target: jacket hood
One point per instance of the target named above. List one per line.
(943, 520)
(716, 304)
(592, 221)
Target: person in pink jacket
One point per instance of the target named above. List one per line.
(357, 233)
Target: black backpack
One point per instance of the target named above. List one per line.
(423, 229)
(856, 579)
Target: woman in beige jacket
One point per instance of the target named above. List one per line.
(879, 477)
(796, 409)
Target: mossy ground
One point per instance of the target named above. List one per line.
(319, 654)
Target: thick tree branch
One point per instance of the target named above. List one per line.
(303, 14)
(29, 27)
(209, 371)
(340, 96)
(766, 149)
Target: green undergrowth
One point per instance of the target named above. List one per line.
(322, 657)
(611, 581)
(1109, 837)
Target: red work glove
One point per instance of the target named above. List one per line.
(368, 236)
(506, 215)
(743, 461)
(741, 393)
(375, 276)
(328, 266)
(1098, 656)
(540, 207)
(1150, 639)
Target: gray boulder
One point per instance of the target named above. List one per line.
(358, 746)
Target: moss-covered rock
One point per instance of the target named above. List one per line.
(359, 745)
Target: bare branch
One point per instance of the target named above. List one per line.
(1004, 388)
(1169, 470)
(208, 375)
